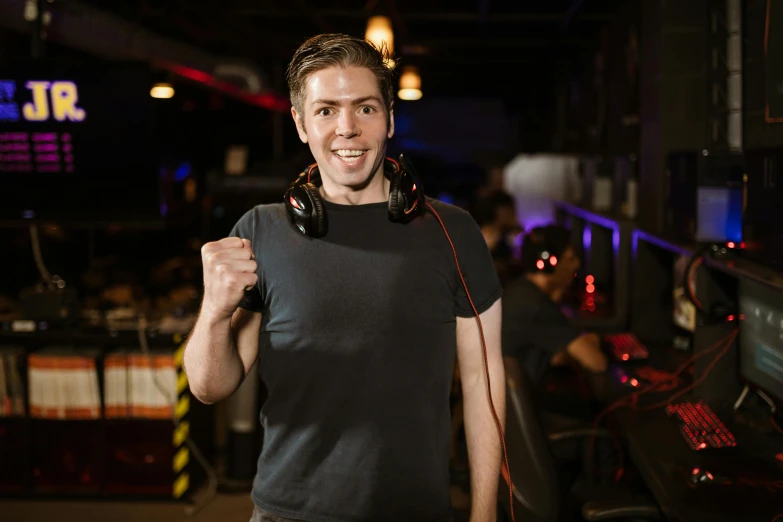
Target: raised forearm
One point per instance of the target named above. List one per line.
(211, 361)
(483, 439)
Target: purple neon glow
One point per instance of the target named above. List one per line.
(15, 147)
(587, 238)
(659, 242)
(19, 156)
(44, 136)
(47, 158)
(45, 147)
(13, 136)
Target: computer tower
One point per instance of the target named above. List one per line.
(763, 220)
(705, 196)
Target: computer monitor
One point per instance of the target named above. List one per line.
(78, 144)
(595, 279)
(761, 337)
(719, 214)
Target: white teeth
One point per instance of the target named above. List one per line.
(346, 153)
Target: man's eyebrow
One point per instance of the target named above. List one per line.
(357, 101)
(321, 101)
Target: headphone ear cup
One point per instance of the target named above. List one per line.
(318, 215)
(396, 198)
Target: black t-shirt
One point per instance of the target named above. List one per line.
(534, 328)
(357, 349)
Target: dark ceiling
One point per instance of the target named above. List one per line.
(476, 47)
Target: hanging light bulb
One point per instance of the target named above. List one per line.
(379, 32)
(162, 90)
(410, 84)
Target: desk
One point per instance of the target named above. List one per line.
(665, 462)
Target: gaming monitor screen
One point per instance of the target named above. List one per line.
(76, 144)
(761, 336)
(719, 214)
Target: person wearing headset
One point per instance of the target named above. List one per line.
(535, 330)
(348, 295)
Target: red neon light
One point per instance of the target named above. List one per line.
(269, 101)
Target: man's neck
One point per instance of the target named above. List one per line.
(491, 236)
(375, 191)
(541, 281)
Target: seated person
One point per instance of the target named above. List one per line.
(535, 331)
(495, 214)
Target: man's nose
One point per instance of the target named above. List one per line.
(346, 125)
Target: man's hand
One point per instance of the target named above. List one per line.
(229, 270)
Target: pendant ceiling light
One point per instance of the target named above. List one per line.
(379, 32)
(410, 84)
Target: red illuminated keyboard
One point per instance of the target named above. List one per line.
(700, 427)
(626, 347)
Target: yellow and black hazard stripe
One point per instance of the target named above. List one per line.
(181, 459)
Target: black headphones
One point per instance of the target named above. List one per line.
(305, 206)
(542, 248)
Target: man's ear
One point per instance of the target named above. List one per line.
(391, 125)
(299, 122)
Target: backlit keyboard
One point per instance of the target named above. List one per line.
(700, 427)
(626, 347)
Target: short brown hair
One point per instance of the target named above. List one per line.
(328, 50)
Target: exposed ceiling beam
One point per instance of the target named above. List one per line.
(422, 46)
(477, 62)
(399, 23)
(306, 9)
(83, 27)
(448, 16)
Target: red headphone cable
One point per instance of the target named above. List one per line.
(486, 362)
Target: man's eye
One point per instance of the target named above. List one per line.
(324, 112)
(367, 109)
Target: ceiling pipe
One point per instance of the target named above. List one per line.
(97, 32)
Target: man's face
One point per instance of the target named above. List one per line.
(344, 121)
(506, 220)
(566, 267)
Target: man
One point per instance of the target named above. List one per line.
(495, 214)
(355, 332)
(535, 330)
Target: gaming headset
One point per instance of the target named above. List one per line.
(306, 210)
(307, 213)
(543, 247)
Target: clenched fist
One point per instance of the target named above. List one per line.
(229, 270)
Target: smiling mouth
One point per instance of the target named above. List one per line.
(349, 155)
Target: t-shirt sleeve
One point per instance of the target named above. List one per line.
(477, 268)
(245, 228)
